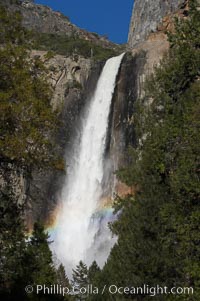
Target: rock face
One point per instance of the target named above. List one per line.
(121, 134)
(65, 74)
(72, 79)
(43, 19)
(147, 15)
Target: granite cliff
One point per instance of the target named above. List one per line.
(43, 19)
(73, 78)
(147, 15)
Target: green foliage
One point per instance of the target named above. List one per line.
(159, 226)
(63, 281)
(93, 271)
(50, 54)
(11, 29)
(24, 261)
(38, 265)
(61, 276)
(64, 45)
(94, 278)
(170, 80)
(80, 279)
(80, 275)
(39, 257)
(27, 123)
(12, 244)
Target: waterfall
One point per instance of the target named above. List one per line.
(80, 234)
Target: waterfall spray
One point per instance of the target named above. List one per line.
(80, 234)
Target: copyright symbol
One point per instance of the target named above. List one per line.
(29, 289)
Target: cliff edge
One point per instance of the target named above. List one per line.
(146, 17)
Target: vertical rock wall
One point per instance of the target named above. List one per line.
(73, 82)
(121, 128)
(147, 14)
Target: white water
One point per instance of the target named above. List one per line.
(80, 235)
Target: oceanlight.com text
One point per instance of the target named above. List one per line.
(108, 289)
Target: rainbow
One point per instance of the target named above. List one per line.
(104, 213)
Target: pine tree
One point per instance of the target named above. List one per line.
(39, 257)
(12, 248)
(93, 271)
(39, 264)
(158, 227)
(61, 277)
(27, 123)
(80, 279)
(94, 274)
(27, 127)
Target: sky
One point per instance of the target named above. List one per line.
(105, 17)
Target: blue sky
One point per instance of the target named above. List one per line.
(106, 17)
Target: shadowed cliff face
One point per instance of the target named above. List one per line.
(73, 83)
(121, 127)
(147, 15)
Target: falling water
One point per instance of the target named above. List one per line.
(80, 234)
